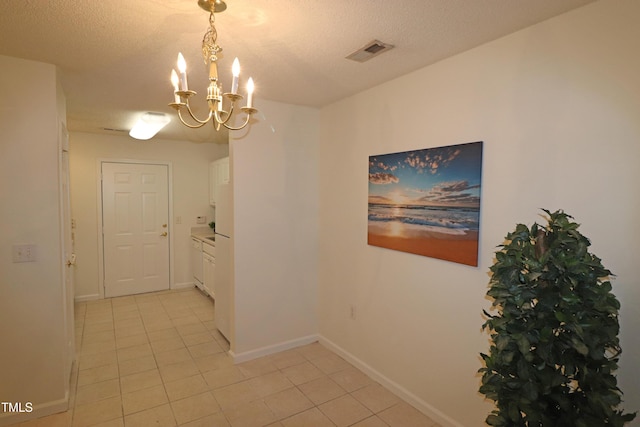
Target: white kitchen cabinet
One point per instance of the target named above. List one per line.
(218, 174)
(209, 267)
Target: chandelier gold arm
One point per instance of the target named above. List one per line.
(219, 114)
(249, 111)
(178, 107)
(200, 122)
(184, 96)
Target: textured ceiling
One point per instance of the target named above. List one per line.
(115, 56)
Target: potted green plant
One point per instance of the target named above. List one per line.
(554, 339)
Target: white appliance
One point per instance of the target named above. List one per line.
(224, 259)
(196, 261)
(209, 268)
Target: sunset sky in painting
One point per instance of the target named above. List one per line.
(443, 176)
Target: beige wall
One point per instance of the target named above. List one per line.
(189, 162)
(32, 329)
(275, 185)
(557, 106)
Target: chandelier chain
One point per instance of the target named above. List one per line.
(210, 47)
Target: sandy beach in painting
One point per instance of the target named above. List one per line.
(445, 233)
(460, 248)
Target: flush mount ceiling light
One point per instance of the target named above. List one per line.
(219, 114)
(148, 125)
(370, 50)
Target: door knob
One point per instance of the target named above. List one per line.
(163, 234)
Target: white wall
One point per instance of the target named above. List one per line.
(33, 350)
(558, 107)
(275, 186)
(190, 163)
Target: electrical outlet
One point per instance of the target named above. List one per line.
(24, 253)
(201, 220)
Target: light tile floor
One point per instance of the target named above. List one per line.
(157, 360)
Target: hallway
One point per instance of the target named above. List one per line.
(157, 360)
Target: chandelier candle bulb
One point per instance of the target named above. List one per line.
(235, 69)
(250, 89)
(174, 82)
(182, 67)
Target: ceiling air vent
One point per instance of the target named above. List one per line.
(368, 51)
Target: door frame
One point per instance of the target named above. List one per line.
(99, 163)
(67, 253)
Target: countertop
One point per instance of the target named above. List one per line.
(203, 234)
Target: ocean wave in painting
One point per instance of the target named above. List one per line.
(445, 220)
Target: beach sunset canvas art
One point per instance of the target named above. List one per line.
(427, 202)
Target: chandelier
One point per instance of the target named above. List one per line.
(220, 112)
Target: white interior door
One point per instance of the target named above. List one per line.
(135, 216)
(69, 257)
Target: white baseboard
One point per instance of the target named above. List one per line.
(93, 297)
(83, 298)
(392, 386)
(271, 349)
(39, 410)
(183, 285)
